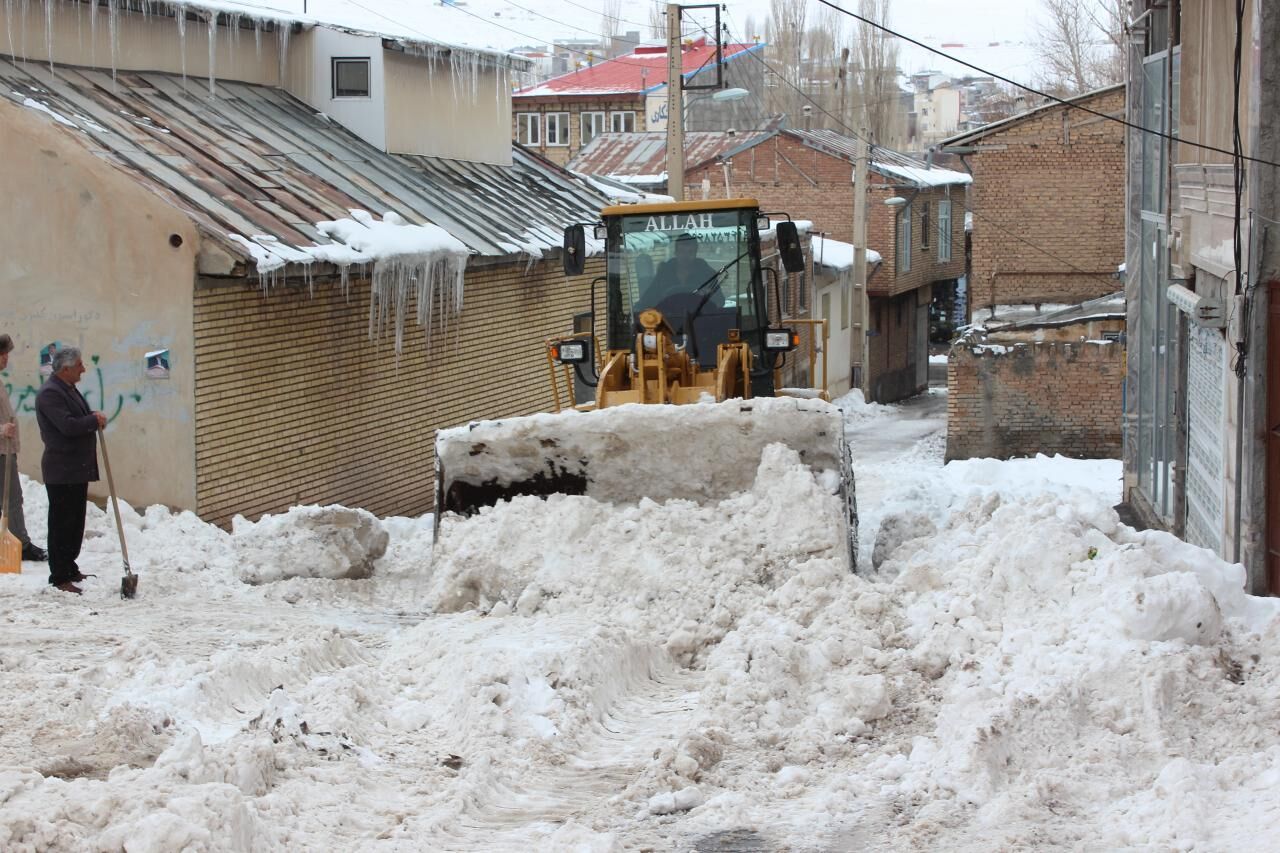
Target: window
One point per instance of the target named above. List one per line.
(529, 128)
(802, 295)
(592, 126)
(904, 241)
(924, 226)
(351, 77)
(844, 306)
(622, 122)
(944, 231)
(557, 129)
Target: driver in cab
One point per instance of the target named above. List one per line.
(683, 274)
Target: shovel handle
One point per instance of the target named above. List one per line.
(115, 503)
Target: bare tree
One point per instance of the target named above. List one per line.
(610, 18)
(1081, 44)
(658, 20)
(874, 92)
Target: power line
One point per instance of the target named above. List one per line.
(1167, 136)
(903, 159)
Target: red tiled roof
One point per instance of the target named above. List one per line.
(636, 72)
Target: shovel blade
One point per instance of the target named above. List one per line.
(10, 554)
(129, 586)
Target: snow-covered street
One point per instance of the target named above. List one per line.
(1020, 671)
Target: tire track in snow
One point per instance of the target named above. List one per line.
(609, 757)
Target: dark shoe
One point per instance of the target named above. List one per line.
(34, 553)
(69, 587)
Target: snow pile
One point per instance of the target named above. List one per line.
(855, 408)
(308, 542)
(677, 573)
(837, 255)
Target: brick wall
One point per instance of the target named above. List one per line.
(1055, 180)
(786, 175)
(296, 405)
(1034, 398)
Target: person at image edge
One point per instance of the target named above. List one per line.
(69, 430)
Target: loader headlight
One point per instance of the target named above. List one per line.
(780, 340)
(571, 352)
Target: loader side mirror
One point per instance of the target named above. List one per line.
(789, 247)
(575, 250)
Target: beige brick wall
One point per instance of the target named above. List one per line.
(562, 154)
(296, 405)
(1048, 195)
(1034, 398)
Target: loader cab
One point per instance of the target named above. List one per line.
(698, 263)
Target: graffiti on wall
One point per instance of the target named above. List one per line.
(92, 386)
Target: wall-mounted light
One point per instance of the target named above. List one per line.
(895, 201)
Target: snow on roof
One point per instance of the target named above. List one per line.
(618, 191)
(884, 161)
(489, 27)
(922, 176)
(838, 255)
(638, 72)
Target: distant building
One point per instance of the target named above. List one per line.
(1048, 202)
(559, 117)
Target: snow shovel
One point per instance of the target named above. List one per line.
(128, 583)
(10, 547)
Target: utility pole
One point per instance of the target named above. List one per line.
(675, 106)
(858, 362)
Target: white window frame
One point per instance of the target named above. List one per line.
(596, 120)
(904, 240)
(529, 128)
(944, 230)
(620, 119)
(557, 129)
(333, 77)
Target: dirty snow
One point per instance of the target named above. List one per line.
(1022, 671)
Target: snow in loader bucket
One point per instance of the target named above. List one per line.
(704, 452)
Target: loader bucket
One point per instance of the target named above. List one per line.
(703, 452)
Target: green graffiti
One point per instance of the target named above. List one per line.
(24, 397)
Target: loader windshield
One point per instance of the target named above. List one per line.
(696, 268)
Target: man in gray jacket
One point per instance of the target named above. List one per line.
(69, 429)
(9, 458)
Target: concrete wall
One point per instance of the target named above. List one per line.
(81, 36)
(1048, 197)
(441, 111)
(310, 79)
(1034, 398)
(86, 260)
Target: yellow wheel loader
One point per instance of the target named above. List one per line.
(683, 397)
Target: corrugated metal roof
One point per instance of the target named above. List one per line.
(628, 155)
(254, 160)
(885, 161)
(634, 73)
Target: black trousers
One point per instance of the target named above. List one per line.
(66, 529)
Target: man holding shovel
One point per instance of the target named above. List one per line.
(69, 430)
(9, 458)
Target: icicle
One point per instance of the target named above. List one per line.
(93, 33)
(8, 24)
(282, 31)
(213, 51)
(180, 15)
(48, 34)
(113, 34)
(257, 38)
